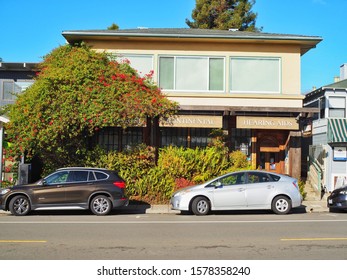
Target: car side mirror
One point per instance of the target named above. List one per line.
(218, 185)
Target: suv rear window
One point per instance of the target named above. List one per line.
(100, 175)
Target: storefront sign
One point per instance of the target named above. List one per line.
(196, 121)
(266, 123)
(340, 153)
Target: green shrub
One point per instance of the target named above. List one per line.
(176, 168)
(302, 188)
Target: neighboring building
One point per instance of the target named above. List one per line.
(243, 83)
(14, 78)
(328, 152)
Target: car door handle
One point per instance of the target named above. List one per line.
(241, 189)
(59, 186)
(270, 187)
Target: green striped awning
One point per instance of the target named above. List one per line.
(337, 130)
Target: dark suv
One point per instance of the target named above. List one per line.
(96, 189)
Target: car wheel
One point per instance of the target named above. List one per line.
(201, 206)
(100, 205)
(281, 205)
(19, 205)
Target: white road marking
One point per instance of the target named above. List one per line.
(173, 222)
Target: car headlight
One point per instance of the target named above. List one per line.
(4, 191)
(181, 193)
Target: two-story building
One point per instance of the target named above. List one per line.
(328, 150)
(246, 84)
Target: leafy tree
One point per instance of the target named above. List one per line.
(113, 27)
(77, 92)
(224, 15)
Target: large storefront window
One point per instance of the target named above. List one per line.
(241, 140)
(186, 137)
(255, 75)
(190, 73)
(115, 139)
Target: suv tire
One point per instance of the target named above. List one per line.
(100, 205)
(19, 205)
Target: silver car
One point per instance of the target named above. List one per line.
(244, 190)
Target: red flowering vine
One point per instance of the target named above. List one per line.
(77, 92)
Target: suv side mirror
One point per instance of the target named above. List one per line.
(42, 182)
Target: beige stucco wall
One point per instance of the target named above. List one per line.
(238, 101)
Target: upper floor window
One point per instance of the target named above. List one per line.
(142, 63)
(255, 75)
(322, 102)
(191, 73)
(9, 88)
(337, 107)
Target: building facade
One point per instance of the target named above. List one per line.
(244, 84)
(328, 149)
(14, 78)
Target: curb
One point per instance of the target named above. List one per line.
(306, 207)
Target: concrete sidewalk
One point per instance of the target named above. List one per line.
(313, 206)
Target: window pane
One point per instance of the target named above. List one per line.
(78, 176)
(255, 75)
(174, 137)
(200, 137)
(336, 113)
(21, 86)
(109, 138)
(56, 178)
(166, 72)
(234, 179)
(91, 176)
(337, 102)
(216, 74)
(8, 90)
(100, 175)
(191, 73)
(131, 137)
(142, 63)
(255, 177)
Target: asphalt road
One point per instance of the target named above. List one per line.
(230, 236)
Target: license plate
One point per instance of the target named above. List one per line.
(330, 201)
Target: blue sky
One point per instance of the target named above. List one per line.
(31, 29)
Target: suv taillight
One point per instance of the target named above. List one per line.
(296, 185)
(120, 184)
